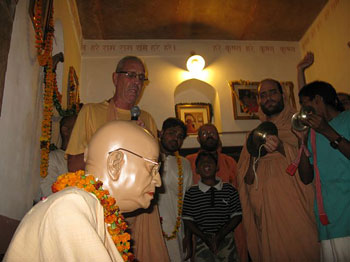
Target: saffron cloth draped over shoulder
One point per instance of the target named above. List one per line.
(278, 210)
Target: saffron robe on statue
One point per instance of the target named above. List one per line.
(67, 226)
(146, 231)
(228, 173)
(278, 208)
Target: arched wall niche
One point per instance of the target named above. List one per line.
(197, 91)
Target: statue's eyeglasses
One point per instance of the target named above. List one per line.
(155, 167)
(133, 75)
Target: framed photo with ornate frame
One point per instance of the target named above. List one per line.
(194, 115)
(244, 99)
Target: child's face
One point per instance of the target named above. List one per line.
(206, 167)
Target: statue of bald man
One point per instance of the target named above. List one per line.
(78, 222)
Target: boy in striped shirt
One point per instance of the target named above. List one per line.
(211, 211)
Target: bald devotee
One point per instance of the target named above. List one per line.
(209, 140)
(82, 220)
(277, 207)
(128, 80)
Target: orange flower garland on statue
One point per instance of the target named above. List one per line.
(179, 201)
(115, 221)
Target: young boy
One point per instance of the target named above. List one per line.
(211, 211)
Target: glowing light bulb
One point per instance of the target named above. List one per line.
(195, 63)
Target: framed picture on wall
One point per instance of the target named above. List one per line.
(244, 99)
(194, 115)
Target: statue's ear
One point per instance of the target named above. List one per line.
(115, 163)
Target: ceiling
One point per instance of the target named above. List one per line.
(279, 20)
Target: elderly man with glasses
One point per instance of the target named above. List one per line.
(128, 79)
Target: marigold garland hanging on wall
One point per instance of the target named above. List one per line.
(43, 43)
(52, 96)
(44, 52)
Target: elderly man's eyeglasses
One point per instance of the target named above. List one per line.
(133, 75)
(155, 167)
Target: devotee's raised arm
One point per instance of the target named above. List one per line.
(76, 162)
(306, 62)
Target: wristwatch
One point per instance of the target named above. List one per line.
(335, 143)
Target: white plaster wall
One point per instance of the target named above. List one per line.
(166, 59)
(328, 37)
(20, 120)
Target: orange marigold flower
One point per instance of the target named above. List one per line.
(110, 219)
(120, 248)
(125, 257)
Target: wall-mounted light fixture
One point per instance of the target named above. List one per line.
(195, 64)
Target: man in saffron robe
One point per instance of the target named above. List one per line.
(277, 207)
